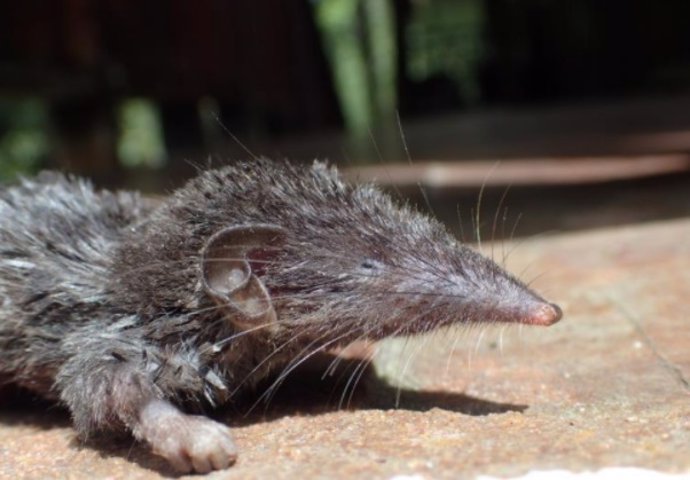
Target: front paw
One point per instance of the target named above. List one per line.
(188, 442)
(197, 443)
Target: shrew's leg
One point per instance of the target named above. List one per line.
(113, 378)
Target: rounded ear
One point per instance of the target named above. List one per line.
(227, 275)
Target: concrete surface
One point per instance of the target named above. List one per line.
(606, 387)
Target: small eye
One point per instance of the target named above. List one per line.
(370, 264)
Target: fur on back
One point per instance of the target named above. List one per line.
(57, 236)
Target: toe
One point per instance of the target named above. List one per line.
(202, 464)
(179, 461)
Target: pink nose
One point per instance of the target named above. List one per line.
(544, 314)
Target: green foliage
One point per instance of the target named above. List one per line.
(141, 136)
(445, 37)
(359, 41)
(24, 142)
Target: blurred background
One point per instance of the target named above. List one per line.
(566, 115)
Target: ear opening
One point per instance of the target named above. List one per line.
(227, 274)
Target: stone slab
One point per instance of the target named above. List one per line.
(606, 387)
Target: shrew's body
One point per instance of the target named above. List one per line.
(124, 311)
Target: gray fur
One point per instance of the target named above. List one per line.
(104, 305)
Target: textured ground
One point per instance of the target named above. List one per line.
(608, 386)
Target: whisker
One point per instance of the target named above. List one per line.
(479, 339)
(273, 353)
(379, 157)
(296, 362)
(512, 235)
(503, 237)
(462, 229)
(398, 393)
(399, 330)
(479, 202)
(235, 336)
(452, 351)
(353, 375)
(233, 136)
(409, 161)
(498, 210)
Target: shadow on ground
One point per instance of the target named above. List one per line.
(306, 392)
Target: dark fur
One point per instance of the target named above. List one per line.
(104, 306)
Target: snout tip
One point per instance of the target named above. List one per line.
(545, 314)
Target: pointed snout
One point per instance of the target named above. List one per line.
(543, 314)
